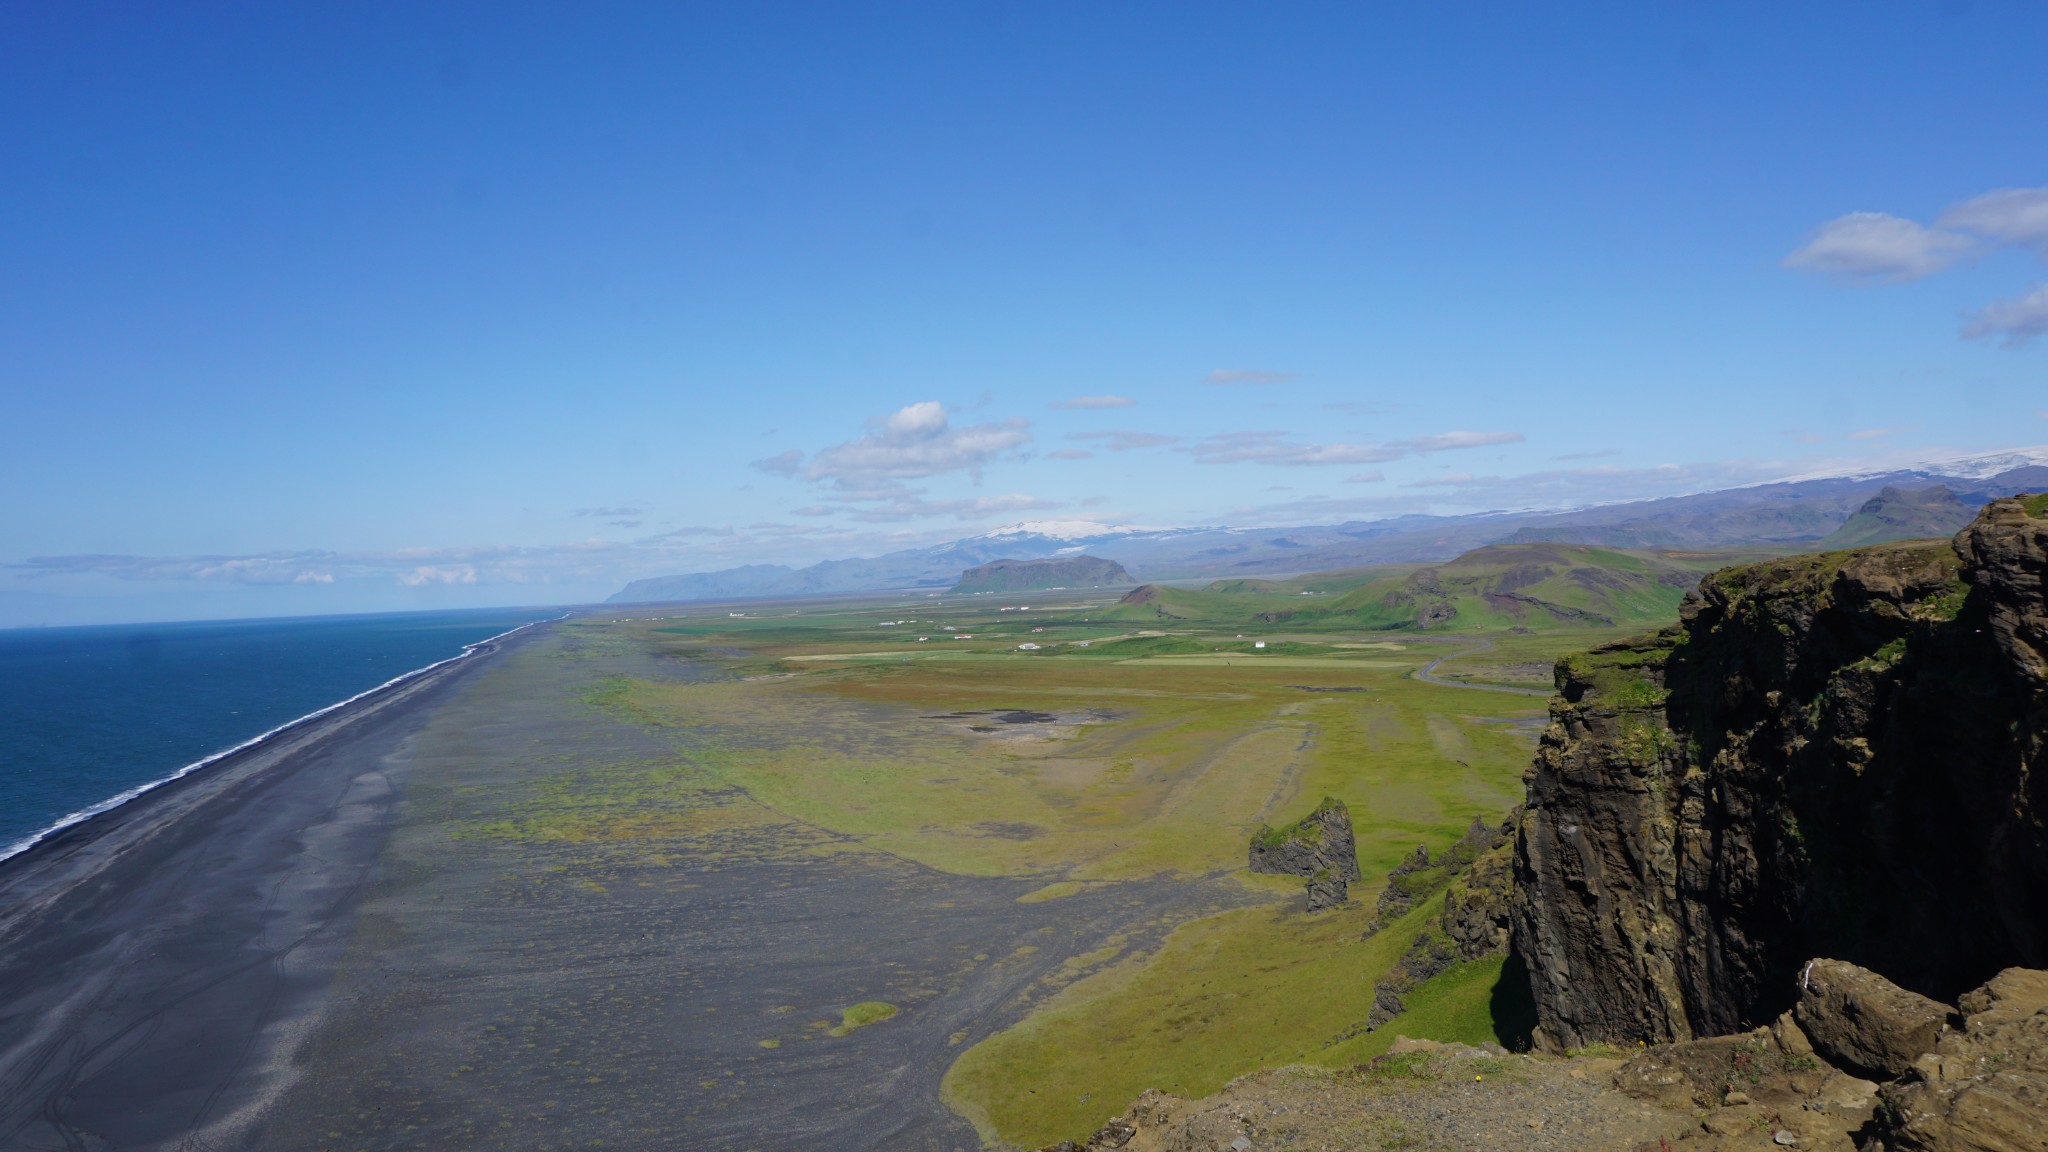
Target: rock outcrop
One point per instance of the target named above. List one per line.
(1478, 873)
(1318, 847)
(1985, 1086)
(1835, 755)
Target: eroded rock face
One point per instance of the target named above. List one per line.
(1835, 755)
(1478, 871)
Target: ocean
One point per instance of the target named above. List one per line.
(90, 714)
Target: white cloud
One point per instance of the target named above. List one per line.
(2014, 322)
(2011, 217)
(438, 574)
(1372, 477)
(1600, 455)
(1275, 448)
(1446, 441)
(1880, 433)
(1124, 440)
(913, 442)
(914, 507)
(1866, 247)
(1250, 376)
(1095, 402)
(782, 463)
(1070, 454)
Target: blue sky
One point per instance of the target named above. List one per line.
(329, 307)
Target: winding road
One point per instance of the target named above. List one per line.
(1427, 674)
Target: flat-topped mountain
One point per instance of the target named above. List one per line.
(1033, 575)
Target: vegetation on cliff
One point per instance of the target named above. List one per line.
(1836, 754)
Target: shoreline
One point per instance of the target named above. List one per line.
(163, 961)
(27, 844)
(84, 843)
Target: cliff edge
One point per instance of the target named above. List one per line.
(1834, 755)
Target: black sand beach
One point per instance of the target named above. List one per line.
(332, 942)
(161, 963)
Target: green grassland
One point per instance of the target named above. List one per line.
(1500, 587)
(1140, 740)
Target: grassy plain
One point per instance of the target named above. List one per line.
(1124, 747)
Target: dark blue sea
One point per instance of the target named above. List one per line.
(87, 714)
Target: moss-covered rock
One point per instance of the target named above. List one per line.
(1835, 755)
(1318, 847)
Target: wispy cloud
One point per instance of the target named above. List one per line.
(438, 574)
(2009, 217)
(608, 512)
(782, 463)
(913, 442)
(1095, 402)
(1123, 440)
(1372, 477)
(1250, 376)
(1276, 448)
(2012, 322)
(1876, 247)
(1602, 454)
(1070, 454)
(1880, 433)
(917, 508)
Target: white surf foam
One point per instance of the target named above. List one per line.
(113, 802)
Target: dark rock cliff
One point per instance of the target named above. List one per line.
(1835, 755)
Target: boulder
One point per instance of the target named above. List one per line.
(1985, 1086)
(1864, 1022)
(1158, 1122)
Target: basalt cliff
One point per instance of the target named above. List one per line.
(1837, 755)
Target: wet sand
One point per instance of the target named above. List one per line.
(338, 951)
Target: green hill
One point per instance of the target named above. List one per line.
(1156, 602)
(1528, 585)
(1535, 586)
(1901, 514)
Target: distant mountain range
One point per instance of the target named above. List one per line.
(1804, 512)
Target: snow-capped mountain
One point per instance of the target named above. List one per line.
(1789, 513)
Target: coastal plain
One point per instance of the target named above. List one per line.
(873, 874)
(654, 863)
